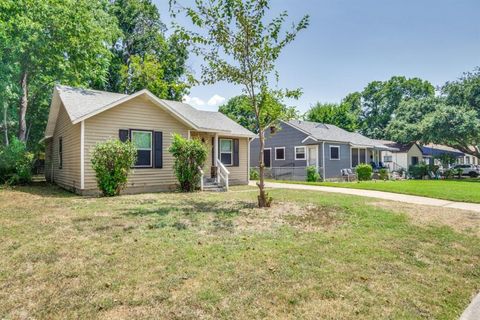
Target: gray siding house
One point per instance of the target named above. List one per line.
(298, 144)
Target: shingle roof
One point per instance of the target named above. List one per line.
(330, 132)
(402, 147)
(438, 149)
(83, 103)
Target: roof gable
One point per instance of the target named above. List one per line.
(82, 104)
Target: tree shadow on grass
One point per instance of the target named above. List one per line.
(192, 207)
(43, 189)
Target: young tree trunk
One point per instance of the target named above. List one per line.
(263, 199)
(22, 110)
(5, 122)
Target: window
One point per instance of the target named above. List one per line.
(142, 140)
(387, 158)
(334, 153)
(280, 153)
(300, 153)
(60, 153)
(414, 160)
(226, 151)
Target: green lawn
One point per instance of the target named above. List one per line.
(214, 256)
(466, 190)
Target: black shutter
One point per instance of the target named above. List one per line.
(213, 152)
(158, 149)
(236, 158)
(123, 135)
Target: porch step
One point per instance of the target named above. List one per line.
(213, 187)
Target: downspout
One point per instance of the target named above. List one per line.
(248, 160)
(323, 160)
(82, 155)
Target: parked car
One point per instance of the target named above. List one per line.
(468, 170)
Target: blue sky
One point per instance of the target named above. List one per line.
(352, 42)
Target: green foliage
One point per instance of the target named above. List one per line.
(112, 161)
(47, 42)
(144, 56)
(364, 172)
(380, 101)
(448, 174)
(312, 174)
(15, 163)
(340, 115)
(418, 171)
(452, 119)
(190, 155)
(458, 172)
(254, 174)
(383, 173)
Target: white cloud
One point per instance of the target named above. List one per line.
(194, 101)
(215, 100)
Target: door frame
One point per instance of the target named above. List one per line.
(269, 149)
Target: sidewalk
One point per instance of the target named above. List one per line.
(378, 194)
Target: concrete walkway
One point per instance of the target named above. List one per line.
(473, 310)
(379, 194)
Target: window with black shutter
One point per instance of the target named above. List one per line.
(226, 151)
(143, 141)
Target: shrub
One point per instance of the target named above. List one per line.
(254, 175)
(418, 171)
(458, 172)
(448, 174)
(112, 161)
(383, 173)
(15, 163)
(189, 156)
(364, 172)
(312, 174)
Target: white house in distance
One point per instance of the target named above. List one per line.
(408, 154)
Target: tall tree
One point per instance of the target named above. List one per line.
(144, 56)
(331, 113)
(241, 47)
(239, 110)
(380, 101)
(54, 40)
(452, 119)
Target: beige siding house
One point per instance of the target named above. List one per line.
(80, 118)
(405, 156)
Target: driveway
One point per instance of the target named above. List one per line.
(378, 194)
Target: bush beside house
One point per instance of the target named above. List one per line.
(364, 172)
(15, 163)
(112, 161)
(312, 174)
(190, 155)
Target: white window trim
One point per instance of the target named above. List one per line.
(276, 153)
(231, 152)
(330, 149)
(151, 147)
(304, 152)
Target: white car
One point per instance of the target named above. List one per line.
(468, 170)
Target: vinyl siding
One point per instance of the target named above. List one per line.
(138, 113)
(238, 175)
(69, 176)
(333, 167)
(287, 137)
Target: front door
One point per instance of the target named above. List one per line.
(312, 156)
(267, 157)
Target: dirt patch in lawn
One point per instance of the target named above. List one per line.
(309, 218)
(458, 220)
